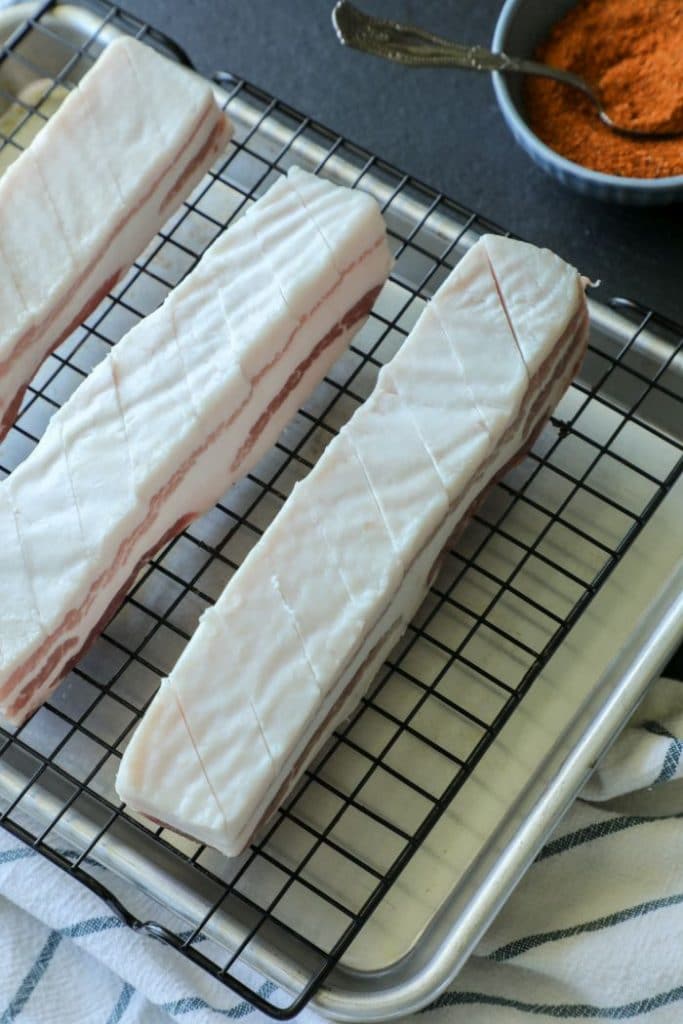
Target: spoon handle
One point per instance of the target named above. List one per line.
(407, 44)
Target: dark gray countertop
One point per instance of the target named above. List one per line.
(441, 126)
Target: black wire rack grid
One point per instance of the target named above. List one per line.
(308, 849)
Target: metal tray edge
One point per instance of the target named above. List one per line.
(618, 690)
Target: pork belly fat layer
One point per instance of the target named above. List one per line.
(183, 405)
(96, 184)
(375, 514)
(170, 804)
(412, 590)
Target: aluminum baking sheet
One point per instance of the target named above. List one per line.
(500, 583)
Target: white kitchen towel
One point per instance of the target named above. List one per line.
(594, 930)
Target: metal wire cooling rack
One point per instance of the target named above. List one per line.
(524, 572)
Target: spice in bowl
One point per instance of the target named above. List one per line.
(631, 52)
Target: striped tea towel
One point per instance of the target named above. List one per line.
(594, 930)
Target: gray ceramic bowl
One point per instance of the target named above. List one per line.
(521, 26)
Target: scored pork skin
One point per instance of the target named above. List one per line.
(183, 406)
(126, 146)
(296, 636)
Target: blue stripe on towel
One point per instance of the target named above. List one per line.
(32, 979)
(122, 1004)
(673, 753)
(565, 1011)
(519, 946)
(599, 830)
(90, 926)
(189, 1004)
(7, 856)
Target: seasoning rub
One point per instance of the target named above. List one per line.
(630, 51)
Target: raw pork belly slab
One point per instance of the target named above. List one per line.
(305, 623)
(122, 152)
(185, 404)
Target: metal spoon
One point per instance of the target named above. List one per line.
(407, 44)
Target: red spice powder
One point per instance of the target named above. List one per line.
(631, 52)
